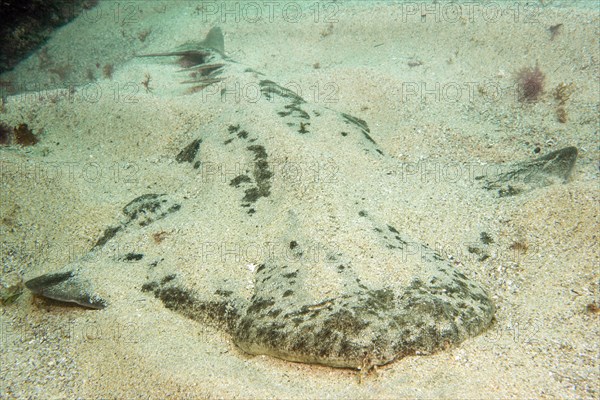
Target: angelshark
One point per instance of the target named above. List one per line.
(334, 282)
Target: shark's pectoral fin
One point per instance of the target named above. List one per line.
(66, 287)
(555, 167)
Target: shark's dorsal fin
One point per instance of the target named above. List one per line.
(214, 40)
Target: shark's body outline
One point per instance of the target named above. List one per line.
(360, 328)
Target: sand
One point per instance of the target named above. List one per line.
(439, 95)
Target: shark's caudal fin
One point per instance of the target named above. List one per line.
(194, 54)
(214, 40)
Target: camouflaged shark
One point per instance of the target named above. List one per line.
(333, 283)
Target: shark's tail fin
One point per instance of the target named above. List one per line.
(214, 40)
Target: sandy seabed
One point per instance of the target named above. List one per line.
(436, 84)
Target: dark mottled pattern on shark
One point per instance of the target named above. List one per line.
(341, 309)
